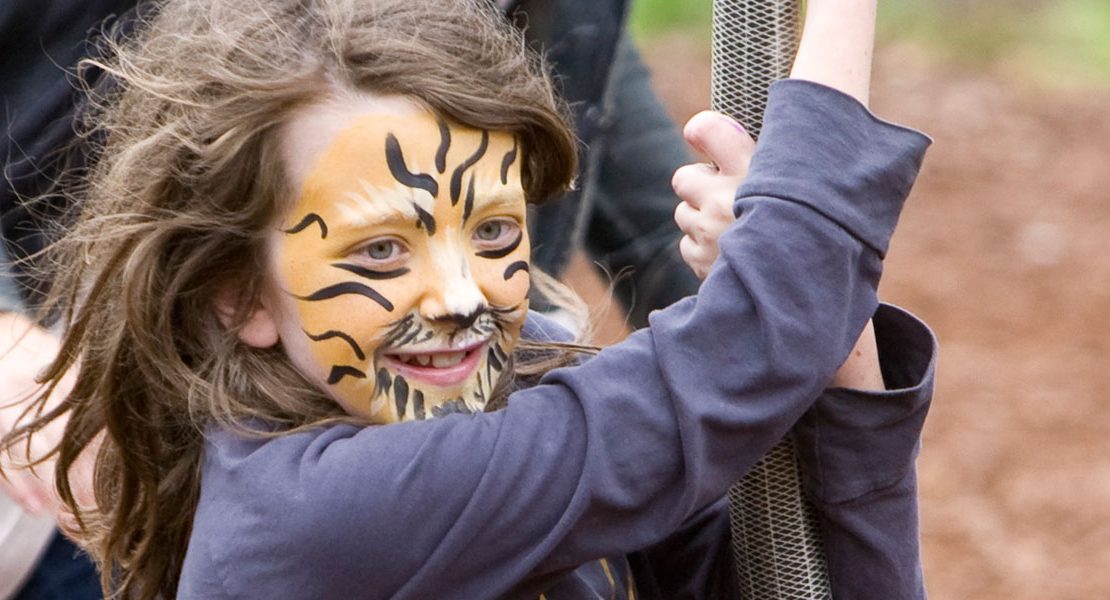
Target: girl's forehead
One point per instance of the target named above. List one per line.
(312, 130)
(347, 142)
(374, 162)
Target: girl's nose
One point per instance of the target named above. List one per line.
(453, 295)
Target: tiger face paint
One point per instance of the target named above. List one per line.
(403, 265)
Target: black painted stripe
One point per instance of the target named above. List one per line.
(451, 407)
(507, 162)
(400, 395)
(519, 265)
(396, 161)
(371, 274)
(444, 146)
(397, 330)
(405, 341)
(327, 335)
(418, 404)
(338, 372)
(384, 381)
(349, 287)
(494, 361)
(500, 353)
(426, 219)
(468, 204)
(456, 177)
(503, 252)
(309, 219)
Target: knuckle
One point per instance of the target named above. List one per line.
(680, 181)
(681, 215)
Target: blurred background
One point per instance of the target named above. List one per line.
(1004, 249)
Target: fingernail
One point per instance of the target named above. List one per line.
(735, 124)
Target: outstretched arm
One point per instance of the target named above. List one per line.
(837, 45)
(836, 51)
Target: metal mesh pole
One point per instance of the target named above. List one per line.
(775, 538)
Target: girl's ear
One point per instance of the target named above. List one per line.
(260, 330)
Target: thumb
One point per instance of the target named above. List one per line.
(722, 140)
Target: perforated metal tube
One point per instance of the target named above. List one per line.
(775, 538)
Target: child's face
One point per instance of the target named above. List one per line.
(402, 270)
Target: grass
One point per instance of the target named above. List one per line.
(654, 17)
(1077, 37)
(1068, 39)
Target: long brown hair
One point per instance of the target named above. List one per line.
(186, 185)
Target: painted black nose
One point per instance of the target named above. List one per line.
(464, 321)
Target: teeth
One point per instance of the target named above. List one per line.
(438, 360)
(447, 359)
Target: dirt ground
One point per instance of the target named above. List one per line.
(1004, 249)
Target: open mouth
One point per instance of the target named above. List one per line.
(437, 367)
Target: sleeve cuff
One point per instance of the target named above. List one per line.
(854, 442)
(858, 168)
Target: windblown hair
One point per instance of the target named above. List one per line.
(186, 185)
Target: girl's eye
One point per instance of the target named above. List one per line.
(383, 254)
(381, 250)
(496, 234)
(490, 230)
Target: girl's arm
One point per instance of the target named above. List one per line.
(836, 50)
(837, 45)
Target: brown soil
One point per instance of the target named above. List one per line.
(1005, 250)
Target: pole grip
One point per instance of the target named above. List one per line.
(776, 541)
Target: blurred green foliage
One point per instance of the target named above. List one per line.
(653, 17)
(1065, 39)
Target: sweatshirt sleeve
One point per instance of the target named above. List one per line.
(609, 456)
(856, 451)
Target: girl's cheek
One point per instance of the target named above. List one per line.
(505, 283)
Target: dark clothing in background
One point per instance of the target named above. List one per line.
(622, 213)
(40, 44)
(64, 573)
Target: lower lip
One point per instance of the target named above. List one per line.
(446, 376)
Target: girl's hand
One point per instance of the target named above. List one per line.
(24, 350)
(707, 190)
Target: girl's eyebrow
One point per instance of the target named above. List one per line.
(376, 205)
(498, 200)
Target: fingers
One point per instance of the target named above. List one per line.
(722, 139)
(696, 183)
(707, 190)
(698, 256)
(30, 492)
(686, 217)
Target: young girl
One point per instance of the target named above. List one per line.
(298, 288)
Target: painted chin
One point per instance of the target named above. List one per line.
(437, 368)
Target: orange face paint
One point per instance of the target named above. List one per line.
(405, 265)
